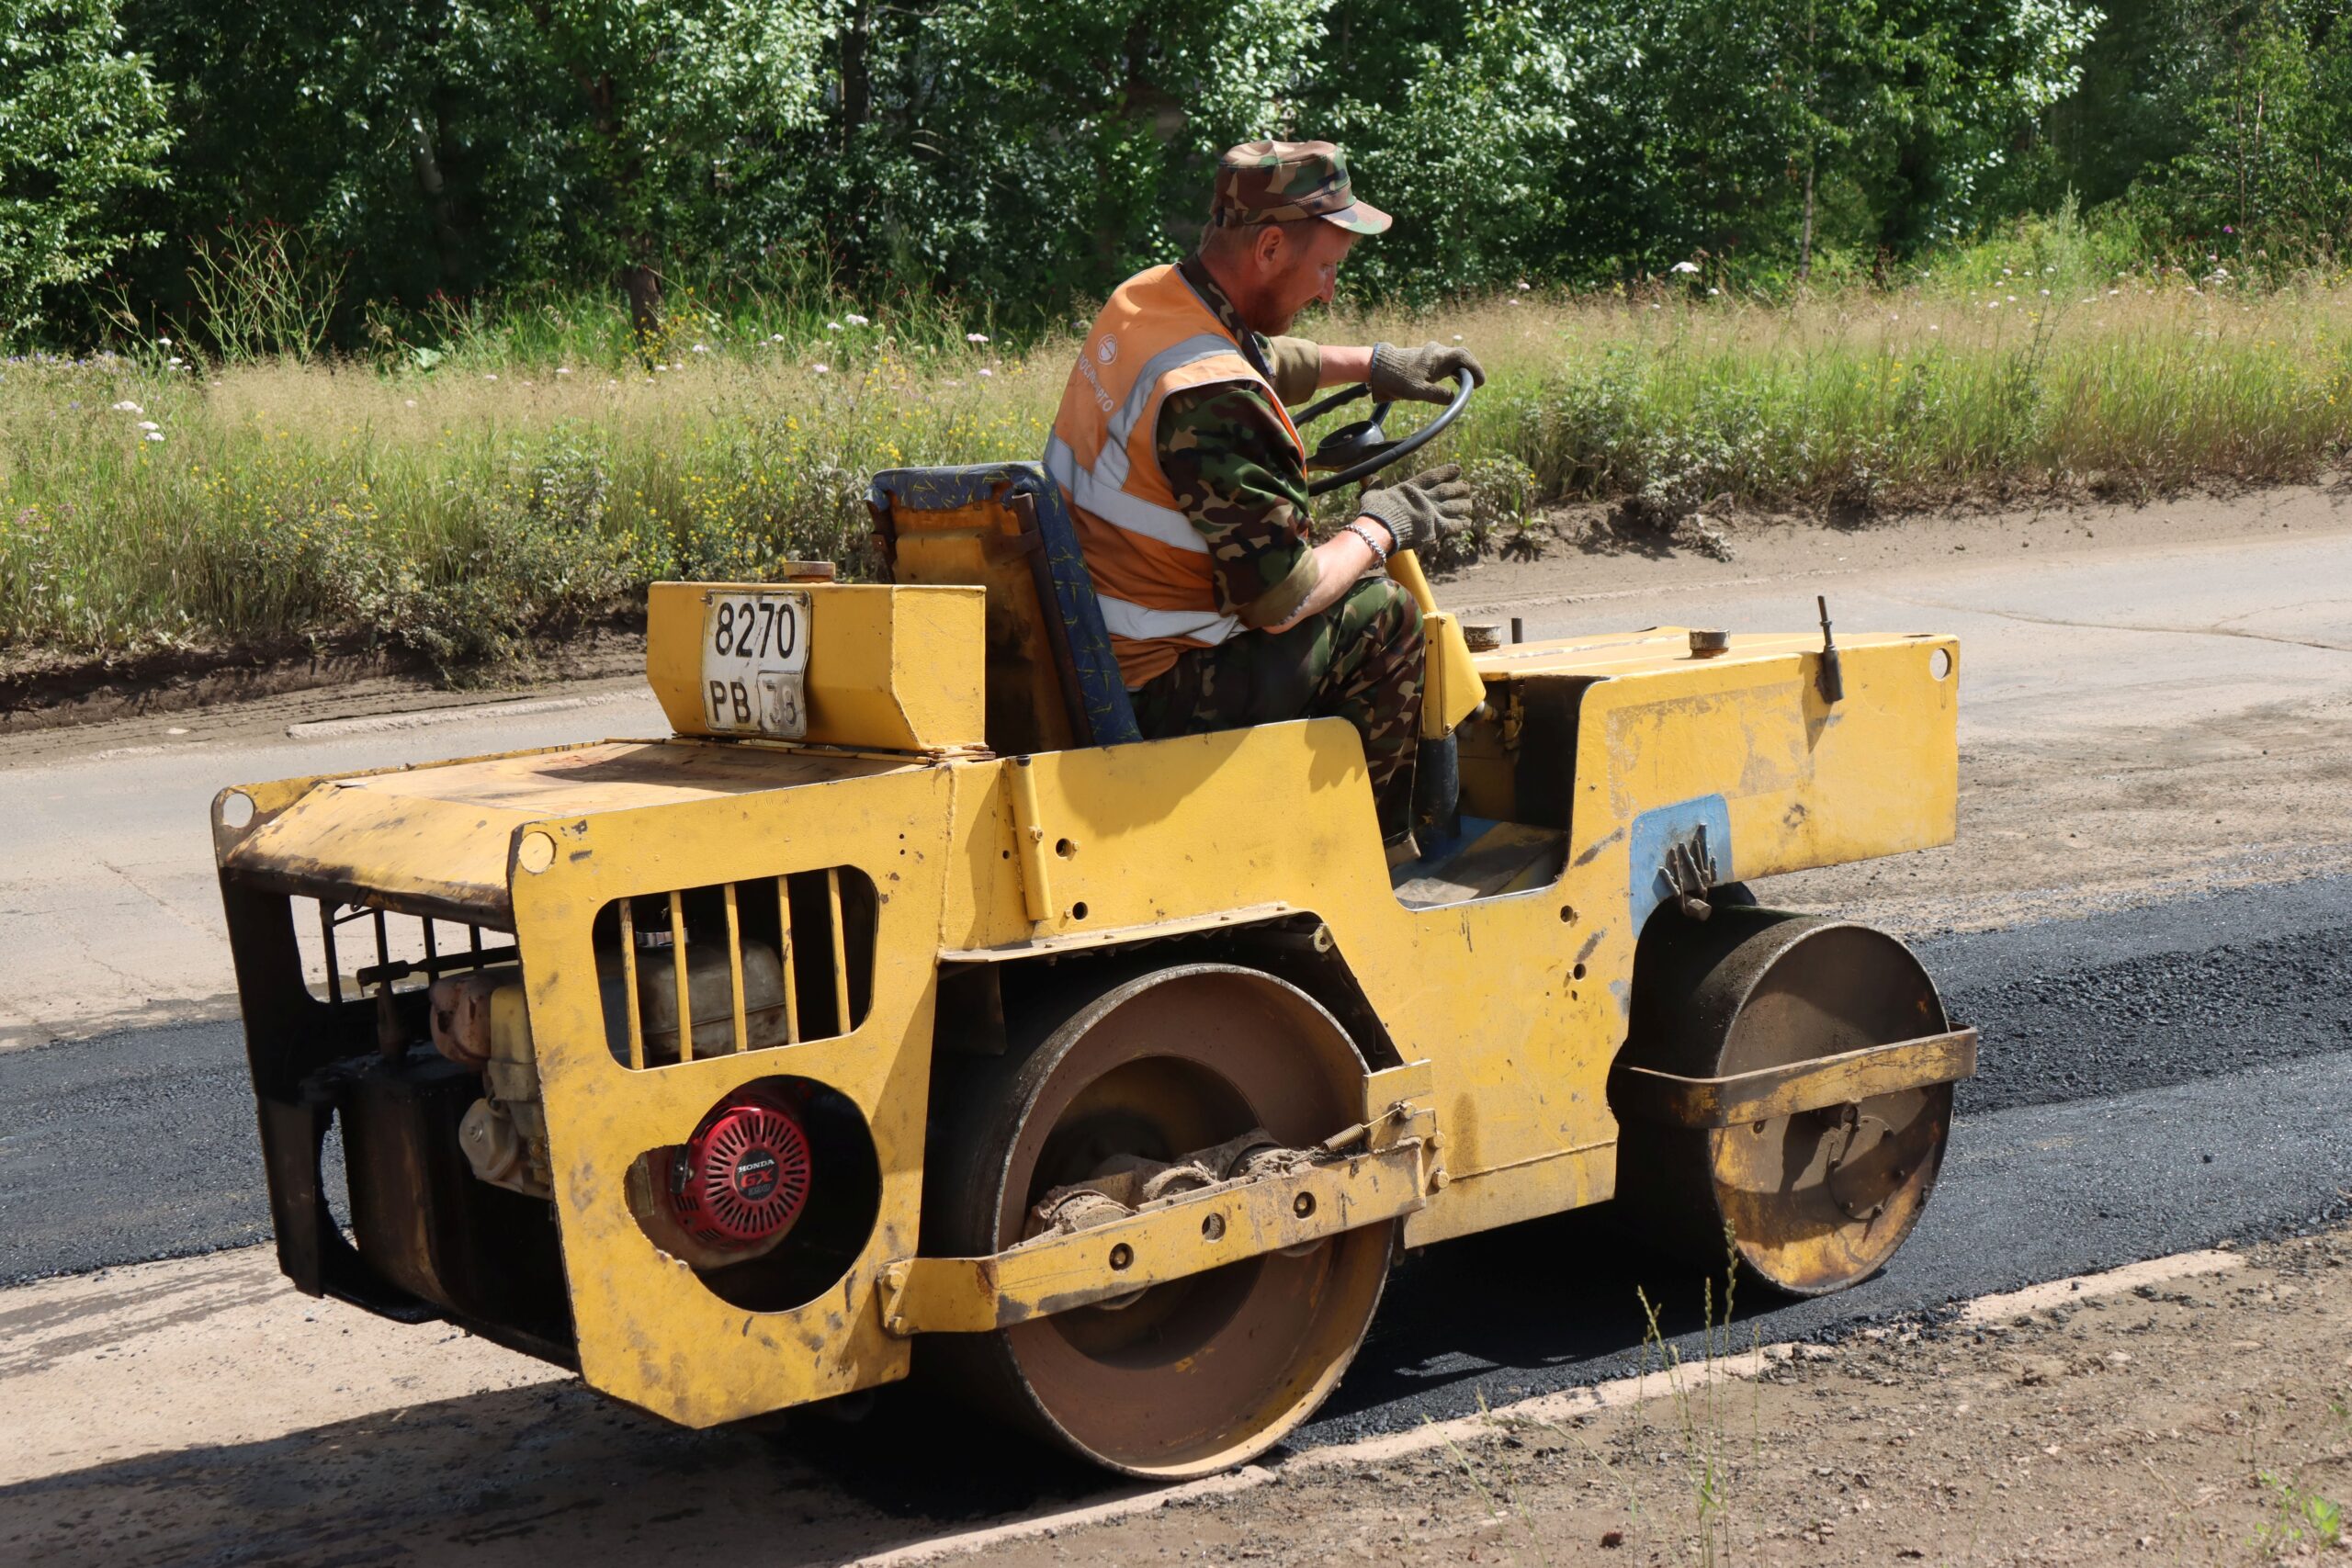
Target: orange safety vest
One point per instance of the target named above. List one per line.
(1150, 566)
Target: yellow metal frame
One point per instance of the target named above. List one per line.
(1511, 1009)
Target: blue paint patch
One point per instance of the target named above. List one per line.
(1662, 825)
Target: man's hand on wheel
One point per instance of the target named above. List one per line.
(1423, 510)
(1419, 374)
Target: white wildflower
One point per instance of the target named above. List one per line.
(986, 371)
(1933, 328)
(1511, 301)
(411, 402)
(1524, 286)
(822, 369)
(975, 337)
(2045, 294)
(490, 375)
(776, 338)
(564, 369)
(155, 435)
(702, 348)
(149, 424)
(857, 321)
(1715, 291)
(164, 341)
(127, 406)
(1684, 266)
(832, 326)
(1457, 337)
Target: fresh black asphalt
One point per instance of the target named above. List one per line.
(2153, 1081)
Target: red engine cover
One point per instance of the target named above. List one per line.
(744, 1177)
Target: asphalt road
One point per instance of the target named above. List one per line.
(2154, 1080)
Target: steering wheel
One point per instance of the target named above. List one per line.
(1357, 450)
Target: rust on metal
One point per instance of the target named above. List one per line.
(1846, 1078)
(1189, 1233)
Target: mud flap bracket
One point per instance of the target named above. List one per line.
(1847, 1079)
(1385, 1172)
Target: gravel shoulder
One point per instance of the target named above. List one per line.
(2206, 1419)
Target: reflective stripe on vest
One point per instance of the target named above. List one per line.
(1151, 568)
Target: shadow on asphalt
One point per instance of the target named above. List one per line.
(533, 1472)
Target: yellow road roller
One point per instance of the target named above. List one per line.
(903, 1012)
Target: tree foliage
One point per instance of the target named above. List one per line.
(81, 123)
(1033, 152)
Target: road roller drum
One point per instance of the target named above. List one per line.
(1806, 1200)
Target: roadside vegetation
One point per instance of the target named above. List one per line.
(470, 504)
(438, 332)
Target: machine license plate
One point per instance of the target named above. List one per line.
(756, 662)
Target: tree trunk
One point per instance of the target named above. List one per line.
(643, 286)
(857, 82)
(1812, 151)
(1805, 240)
(424, 155)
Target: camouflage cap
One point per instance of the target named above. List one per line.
(1274, 182)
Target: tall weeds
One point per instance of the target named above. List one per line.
(468, 501)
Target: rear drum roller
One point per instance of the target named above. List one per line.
(1814, 1202)
(1201, 1374)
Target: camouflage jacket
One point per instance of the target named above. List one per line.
(1235, 473)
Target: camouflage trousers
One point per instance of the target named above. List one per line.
(1360, 661)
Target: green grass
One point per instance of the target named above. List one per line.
(468, 501)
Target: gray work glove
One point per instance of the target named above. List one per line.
(1424, 509)
(1419, 374)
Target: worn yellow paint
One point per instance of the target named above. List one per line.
(439, 839)
(889, 668)
(1509, 1010)
(1451, 689)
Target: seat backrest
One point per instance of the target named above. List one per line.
(1052, 680)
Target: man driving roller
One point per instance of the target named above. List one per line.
(1187, 479)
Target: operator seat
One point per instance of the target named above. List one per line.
(1053, 682)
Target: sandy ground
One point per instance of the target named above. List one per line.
(2157, 704)
(2193, 1410)
(2205, 1419)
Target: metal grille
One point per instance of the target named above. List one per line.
(351, 951)
(738, 967)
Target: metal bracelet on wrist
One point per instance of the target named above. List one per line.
(1372, 543)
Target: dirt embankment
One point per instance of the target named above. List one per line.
(48, 692)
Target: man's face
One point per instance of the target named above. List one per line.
(1301, 269)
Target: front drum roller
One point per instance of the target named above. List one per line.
(1201, 1374)
(1810, 1203)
